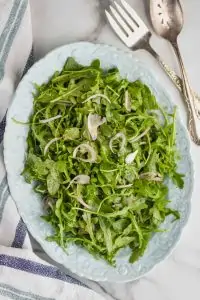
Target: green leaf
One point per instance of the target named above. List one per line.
(157, 219)
(120, 225)
(72, 65)
(178, 180)
(53, 182)
(89, 225)
(71, 134)
(34, 168)
(107, 234)
(138, 252)
(96, 64)
(138, 230)
(123, 241)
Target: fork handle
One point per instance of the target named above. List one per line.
(174, 77)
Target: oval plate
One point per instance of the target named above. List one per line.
(29, 204)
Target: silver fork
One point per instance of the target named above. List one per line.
(135, 34)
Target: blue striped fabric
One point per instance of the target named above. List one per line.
(6, 39)
(35, 268)
(2, 128)
(10, 30)
(16, 294)
(20, 235)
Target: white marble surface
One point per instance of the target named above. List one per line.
(63, 21)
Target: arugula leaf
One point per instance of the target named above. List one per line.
(107, 235)
(178, 180)
(138, 252)
(72, 65)
(71, 134)
(53, 182)
(123, 241)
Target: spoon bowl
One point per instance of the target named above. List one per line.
(167, 18)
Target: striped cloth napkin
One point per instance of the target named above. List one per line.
(22, 274)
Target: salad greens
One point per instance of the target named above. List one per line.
(99, 151)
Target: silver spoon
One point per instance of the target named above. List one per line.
(167, 20)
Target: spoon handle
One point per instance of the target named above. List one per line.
(189, 98)
(175, 78)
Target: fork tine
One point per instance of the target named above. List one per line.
(120, 21)
(134, 15)
(116, 27)
(130, 22)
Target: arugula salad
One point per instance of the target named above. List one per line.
(100, 151)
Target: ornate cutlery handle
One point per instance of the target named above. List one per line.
(189, 98)
(175, 78)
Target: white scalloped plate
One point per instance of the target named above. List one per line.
(29, 205)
